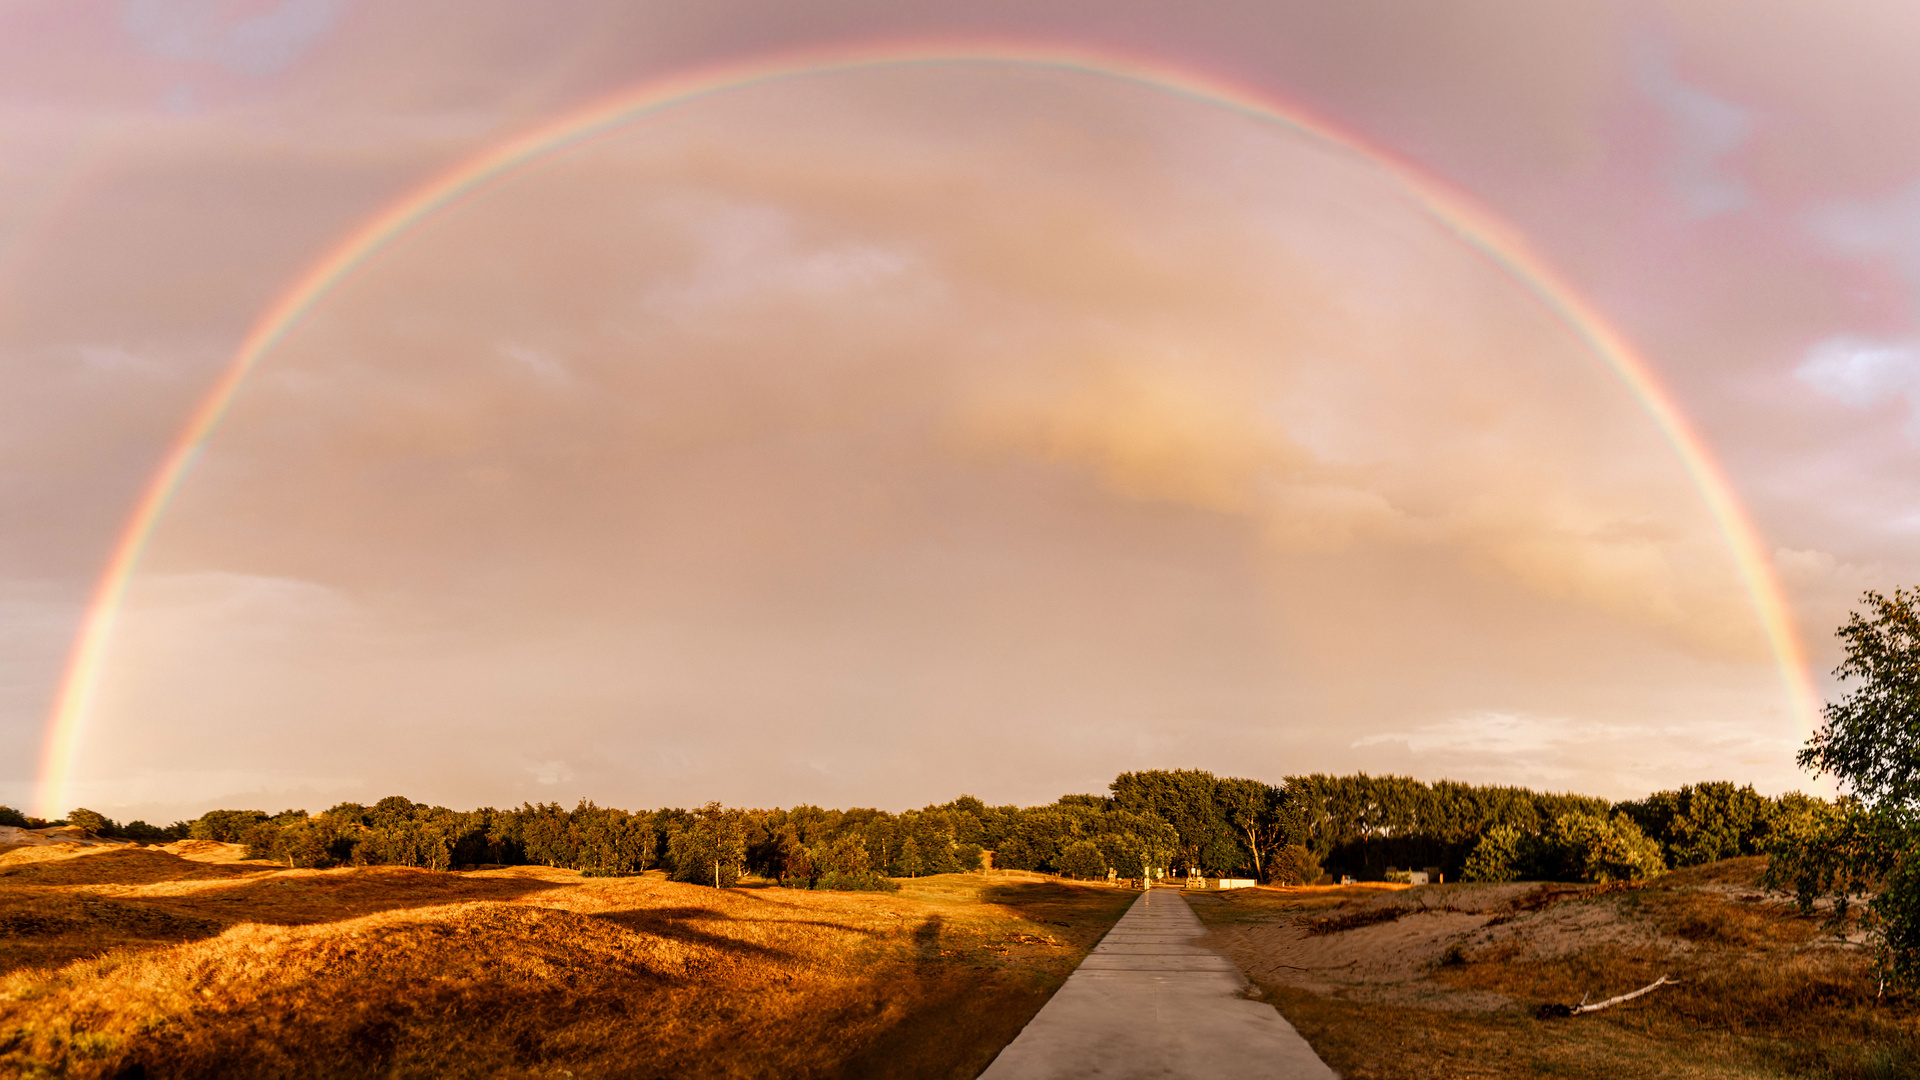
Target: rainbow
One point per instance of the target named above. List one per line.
(1478, 229)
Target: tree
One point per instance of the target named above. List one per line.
(909, 860)
(1590, 847)
(1871, 738)
(1256, 811)
(1868, 845)
(1184, 799)
(91, 821)
(226, 826)
(1501, 855)
(712, 849)
(1082, 859)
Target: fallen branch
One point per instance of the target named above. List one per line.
(1551, 1012)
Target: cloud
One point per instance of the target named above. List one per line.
(1523, 748)
(1705, 129)
(750, 251)
(1870, 228)
(196, 31)
(1860, 373)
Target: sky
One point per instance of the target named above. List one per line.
(878, 433)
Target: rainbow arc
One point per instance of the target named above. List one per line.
(1474, 227)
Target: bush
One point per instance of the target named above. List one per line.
(1293, 865)
(968, 856)
(855, 881)
(1081, 859)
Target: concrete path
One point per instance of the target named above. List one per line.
(1148, 1004)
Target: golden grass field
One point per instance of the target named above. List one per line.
(1448, 989)
(191, 962)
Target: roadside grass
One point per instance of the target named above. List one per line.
(1762, 991)
(533, 972)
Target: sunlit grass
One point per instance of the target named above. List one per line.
(521, 972)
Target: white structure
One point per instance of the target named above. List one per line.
(1234, 883)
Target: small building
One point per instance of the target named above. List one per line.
(1234, 883)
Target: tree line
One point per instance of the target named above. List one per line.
(1171, 821)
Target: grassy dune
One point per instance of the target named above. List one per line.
(1442, 982)
(149, 962)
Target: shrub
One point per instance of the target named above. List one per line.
(10, 816)
(1293, 865)
(855, 881)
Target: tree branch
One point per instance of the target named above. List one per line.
(1549, 1012)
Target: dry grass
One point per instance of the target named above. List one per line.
(1448, 987)
(212, 968)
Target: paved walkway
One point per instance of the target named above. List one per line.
(1147, 1004)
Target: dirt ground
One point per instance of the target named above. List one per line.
(1444, 981)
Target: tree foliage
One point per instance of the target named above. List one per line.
(1867, 847)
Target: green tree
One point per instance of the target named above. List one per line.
(1257, 812)
(93, 822)
(1501, 855)
(1082, 859)
(909, 862)
(226, 826)
(1184, 799)
(1590, 847)
(712, 848)
(1870, 739)
(1869, 844)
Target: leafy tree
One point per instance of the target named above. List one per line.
(1258, 813)
(93, 822)
(712, 848)
(1184, 799)
(1869, 844)
(154, 834)
(1501, 855)
(1871, 738)
(1590, 847)
(226, 826)
(1082, 859)
(967, 857)
(1703, 823)
(910, 862)
(10, 816)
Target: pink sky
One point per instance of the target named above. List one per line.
(878, 436)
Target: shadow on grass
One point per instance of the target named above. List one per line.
(304, 898)
(1061, 903)
(121, 866)
(674, 924)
